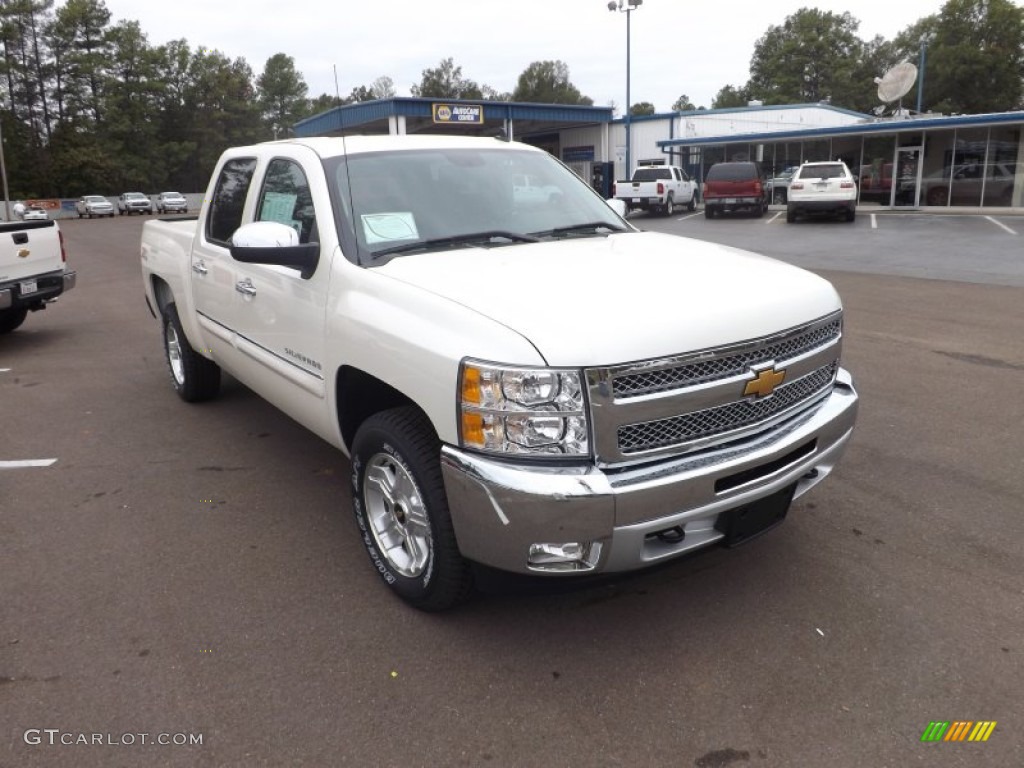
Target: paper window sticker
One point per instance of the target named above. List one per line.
(389, 227)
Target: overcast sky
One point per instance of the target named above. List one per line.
(691, 47)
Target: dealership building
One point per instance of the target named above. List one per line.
(921, 161)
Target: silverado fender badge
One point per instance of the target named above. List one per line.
(23, 253)
(764, 382)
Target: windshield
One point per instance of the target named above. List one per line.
(95, 199)
(133, 195)
(411, 201)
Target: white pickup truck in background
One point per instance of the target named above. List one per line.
(658, 188)
(33, 269)
(525, 382)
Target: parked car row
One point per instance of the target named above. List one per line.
(820, 187)
(129, 203)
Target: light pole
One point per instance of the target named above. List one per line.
(925, 39)
(627, 7)
(3, 173)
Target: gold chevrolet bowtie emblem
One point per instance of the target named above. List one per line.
(765, 382)
(23, 253)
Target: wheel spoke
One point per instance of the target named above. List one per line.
(383, 480)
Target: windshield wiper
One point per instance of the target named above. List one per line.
(482, 238)
(590, 228)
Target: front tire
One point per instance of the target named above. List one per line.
(692, 205)
(401, 509)
(193, 377)
(11, 319)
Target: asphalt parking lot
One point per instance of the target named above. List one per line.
(185, 571)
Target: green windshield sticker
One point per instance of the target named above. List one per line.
(388, 227)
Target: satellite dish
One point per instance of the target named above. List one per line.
(897, 82)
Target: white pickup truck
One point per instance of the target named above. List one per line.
(657, 188)
(33, 269)
(535, 386)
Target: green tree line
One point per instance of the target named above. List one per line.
(973, 54)
(90, 107)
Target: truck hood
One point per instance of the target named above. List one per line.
(633, 296)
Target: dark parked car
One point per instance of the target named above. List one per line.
(735, 186)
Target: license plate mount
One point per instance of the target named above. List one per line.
(748, 522)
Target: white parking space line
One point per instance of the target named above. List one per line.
(27, 463)
(1001, 225)
(874, 221)
(773, 218)
(4, 370)
(690, 216)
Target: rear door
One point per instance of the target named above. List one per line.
(213, 269)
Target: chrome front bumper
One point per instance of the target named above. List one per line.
(500, 509)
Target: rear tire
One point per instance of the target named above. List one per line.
(670, 206)
(11, 319)
(790, 214)
(402, 512)
(193, 377)
(709, 212)
(851, 214)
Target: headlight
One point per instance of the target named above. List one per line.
(522, 411)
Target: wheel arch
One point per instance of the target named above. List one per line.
(358, 395)
(162, 294)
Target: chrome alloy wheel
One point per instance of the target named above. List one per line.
(174, 354)
(397, 515)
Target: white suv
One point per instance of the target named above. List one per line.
(823, 187)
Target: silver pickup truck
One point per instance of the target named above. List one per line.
(33, 269)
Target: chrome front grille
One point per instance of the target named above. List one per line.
(664, 379)
(725, 418)
(688, 402)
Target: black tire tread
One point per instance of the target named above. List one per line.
(11, 319)
(410, 429)
(202, 376)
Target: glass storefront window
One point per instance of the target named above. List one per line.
(935, 179)
(1004, 171)
(712, 155)
(875, 179)
(847, 149)
(968, 167)
(816, 150)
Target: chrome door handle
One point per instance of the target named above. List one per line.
(199, 268)
(245, 287)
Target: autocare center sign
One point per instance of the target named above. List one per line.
(472, 114)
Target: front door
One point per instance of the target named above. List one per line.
(906, 188)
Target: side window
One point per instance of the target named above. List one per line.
(286, 198)
(229, 199)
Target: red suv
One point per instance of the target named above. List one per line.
(735, 186)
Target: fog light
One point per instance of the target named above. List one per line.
(565, 556)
